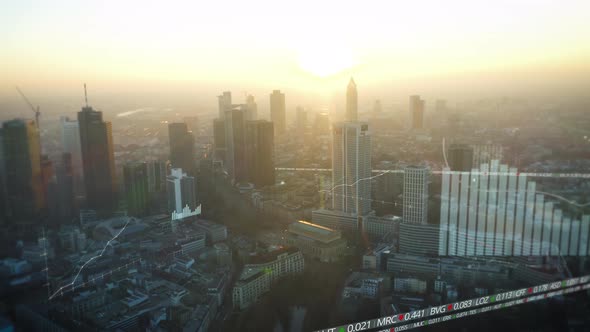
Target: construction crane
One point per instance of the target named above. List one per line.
(36, 110)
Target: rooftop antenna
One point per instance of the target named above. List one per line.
(85, 95)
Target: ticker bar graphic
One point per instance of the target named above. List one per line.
(466, 307)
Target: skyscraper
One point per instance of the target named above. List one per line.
(415, 209)
(377, 108)
(193, 124)
(351, 168)
(224, 102)
(156, 175)
(460, 157)
(322, 124)
(182, 147)
(260, 152)
(65, 188)
(235, 158)
(219, 139)
(351, 101)
(22, 167)
(301, 120)
(135, 176)
(98, 161)
(251, 109)
(416, 112)
(277, 111)
(181, 191)
(70, 141)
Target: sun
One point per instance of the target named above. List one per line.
(325, 60)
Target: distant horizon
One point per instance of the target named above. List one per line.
(451, 49)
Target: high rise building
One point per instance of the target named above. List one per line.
(415, 206)
(301, 120)
(98, 160)
(156, 175)
(485, 153)
(70, 141)
(322, 124)
(181, 191)
(67, 206)
(182, 147)
(193, 124)
(494, 210)
(351, 101)
(351, 168)
(235, 158)
(441, 106)
(278, 111)
(460, 157)
(260, 152)
(416, 112)
(377, 108)
(224, 101)
(22, 168)
(219, 139)
(135, 176)
(47, 177)
(251, 109)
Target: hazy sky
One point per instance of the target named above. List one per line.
(53, 46)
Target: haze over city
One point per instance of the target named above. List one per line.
(184, 49)
(326, 166)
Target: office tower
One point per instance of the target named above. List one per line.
(235, 158)
(181, 191)
(156, 175)
(224, 101)
(494, 210)
(22, 168)
(419, 239)
(65, 188)
(135, 176)
(70, 141)
(251, 109)
(460, 157)
(415, 207)
(260, 152)
(322, 124)
(301, 120)
(485, 153)
(193, 124)
(377, 108)
(182, 147)
(277, 111)
(47, 176)
(219, 139)
(98, 161)
(351, 168)
(416, 112)
(351, 101)
(441, 106)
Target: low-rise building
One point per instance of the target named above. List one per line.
(347, 222)
(258, 276)
(214, 232)
(409, 285)
(316, 241)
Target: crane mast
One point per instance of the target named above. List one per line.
(33, 108)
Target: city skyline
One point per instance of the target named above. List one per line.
(291, 166)
(454, 42)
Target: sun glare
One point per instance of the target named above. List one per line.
(326, 60)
